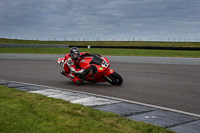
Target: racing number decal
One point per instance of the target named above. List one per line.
(61, 63)
(104, 64)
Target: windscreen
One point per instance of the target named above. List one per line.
(96, 60)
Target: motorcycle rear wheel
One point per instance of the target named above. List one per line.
(114, 79)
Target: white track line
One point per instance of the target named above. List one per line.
(113, 98)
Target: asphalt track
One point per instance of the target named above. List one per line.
(167, 82)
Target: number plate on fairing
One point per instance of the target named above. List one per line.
(105, 64)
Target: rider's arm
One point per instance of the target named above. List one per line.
(69, 62)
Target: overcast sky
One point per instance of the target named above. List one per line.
(104, 19)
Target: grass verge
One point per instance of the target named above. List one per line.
(106, 51)
(32, 113)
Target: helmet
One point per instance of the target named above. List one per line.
(74, 53)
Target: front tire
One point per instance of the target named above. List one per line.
(114, 79)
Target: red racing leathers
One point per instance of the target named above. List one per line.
(71, 68)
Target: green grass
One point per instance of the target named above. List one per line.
(23, 112)
(103, 43)
(119, 52)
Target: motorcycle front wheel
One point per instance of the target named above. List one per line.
(114, 79)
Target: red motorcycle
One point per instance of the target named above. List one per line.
(99, 70)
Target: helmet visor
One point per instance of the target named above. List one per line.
(75, 56)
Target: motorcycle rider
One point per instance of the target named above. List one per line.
(71, 65)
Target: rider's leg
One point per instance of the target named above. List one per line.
(72, 76)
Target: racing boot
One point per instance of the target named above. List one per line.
(78, 82)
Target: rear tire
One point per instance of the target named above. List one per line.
(114, 79)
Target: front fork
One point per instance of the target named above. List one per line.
(106, 76)
(110, 71)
